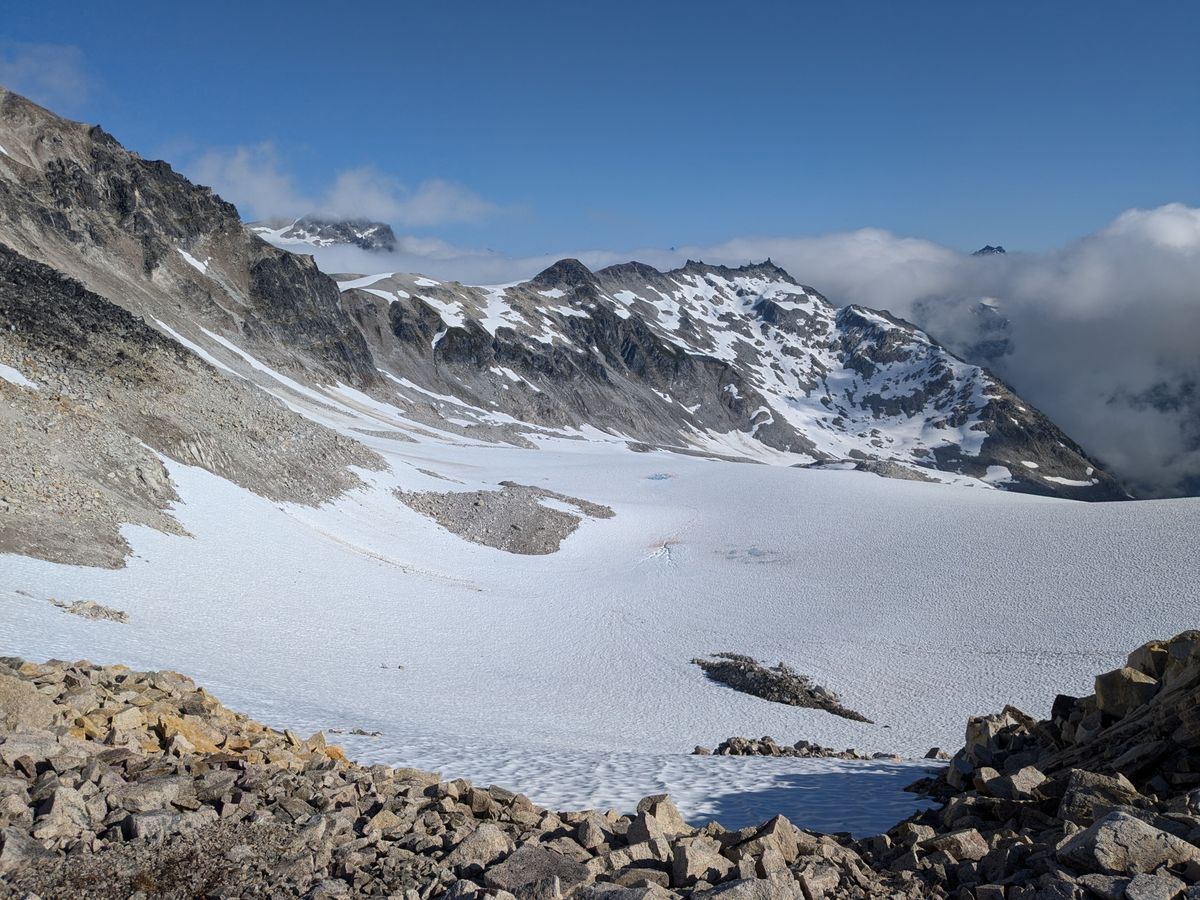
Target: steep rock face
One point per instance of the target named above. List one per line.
(102, 391)
(745, 361)
(143, 236)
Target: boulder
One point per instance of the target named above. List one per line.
(753, 889)
(149, 794)
(909, 833)
(482, 847)
(818, 880)
(1021, 785)
(664, 811)
(1183, 658)
(778, 834)
(960, 771)
(1162, 886)
(643, 828)
(1089, 795)
(19, 851)
(592, 832)
(1123, 690)
(1121, 844)
(64, 814)
(530, 865)
(22, 706)
(1106, 887)
(699, 859)
(964, 845)
(1150, 659)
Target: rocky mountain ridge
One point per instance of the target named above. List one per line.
(324, 231)
(743, 361)
(174, 307)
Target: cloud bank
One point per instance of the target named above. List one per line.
(1101, 334)
(256, 179)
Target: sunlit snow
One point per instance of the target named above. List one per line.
(568, 676)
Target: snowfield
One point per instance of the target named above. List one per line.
(568, 676)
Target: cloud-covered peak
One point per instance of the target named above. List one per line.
(256, 179)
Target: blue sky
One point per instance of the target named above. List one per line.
(533, 127)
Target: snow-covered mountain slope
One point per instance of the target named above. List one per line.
(567, 675)
(745, 361)
(319, 231)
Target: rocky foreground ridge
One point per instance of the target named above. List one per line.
(116, 783)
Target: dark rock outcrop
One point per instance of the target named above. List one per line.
(1100, 800)
(777, 684)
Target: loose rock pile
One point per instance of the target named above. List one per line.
(90, 609)
(514, 518)
(767, 746)
(1100, 801)
(116, 783)
(779, 684)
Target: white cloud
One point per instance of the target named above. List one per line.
(253, 179)
(1101, 334)
(258, 182)
(50, 74)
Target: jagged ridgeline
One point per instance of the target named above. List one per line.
(743, 362)
(740, 362)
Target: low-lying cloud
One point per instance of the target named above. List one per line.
(1100, 334)
(257, 180)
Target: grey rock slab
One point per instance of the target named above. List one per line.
(1163, 886)
(1122, 844)
(22, 706)
(482, 847)
(753, 889)
(530, 864)
(151, 794)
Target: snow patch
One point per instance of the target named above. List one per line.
(201, 267)
(998, 475)
(363, 282)
(12, 376)
(1070, 482)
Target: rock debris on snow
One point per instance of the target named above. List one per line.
(778, 684)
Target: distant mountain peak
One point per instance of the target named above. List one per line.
(989, 250)
(323, 231)
(566, 272)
